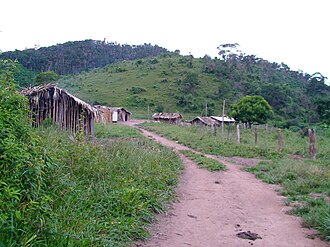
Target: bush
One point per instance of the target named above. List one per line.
(23, 200)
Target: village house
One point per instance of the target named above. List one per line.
(64, 109)
(173, 118)
(112, 114)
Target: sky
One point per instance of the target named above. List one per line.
(295, 32)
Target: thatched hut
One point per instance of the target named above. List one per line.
(112, 114)
(206, 121)
(173, 118)
(64, 109)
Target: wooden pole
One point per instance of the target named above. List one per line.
(148, 112)
(213, 130)
(312, 148)
(206, 109)
(280, 141)
(238, 135)
(256, 135)
(223, 119)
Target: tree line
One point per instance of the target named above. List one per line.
(74, 57)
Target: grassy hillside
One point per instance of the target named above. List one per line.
(174, 83)
(156, 82)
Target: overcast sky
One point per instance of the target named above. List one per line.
(295, 32)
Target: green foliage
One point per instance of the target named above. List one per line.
(77, 56)
(47, 77)
(137, 90)
(303, 182)
(204, 162)
(24, 200)
(106, 191)
(252, 109)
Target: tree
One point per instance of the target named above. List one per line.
(252, 109)
(47, 77)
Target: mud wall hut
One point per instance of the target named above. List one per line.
(173, 118)
(64, 109)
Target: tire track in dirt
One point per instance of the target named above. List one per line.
(213, 207)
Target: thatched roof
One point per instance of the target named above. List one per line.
(163, 115)
(44, 89)
(119, 109)
(205, 120)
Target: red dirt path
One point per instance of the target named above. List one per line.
(213, 207)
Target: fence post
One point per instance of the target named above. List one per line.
(238, 134)
(312, 149)
(256, 135)
(213, 130)
(280, 141)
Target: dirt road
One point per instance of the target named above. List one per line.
(212, 208)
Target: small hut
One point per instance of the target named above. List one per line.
(173, 118)
(112, 114)
(123, 115)
(64, 109)
(207, 121)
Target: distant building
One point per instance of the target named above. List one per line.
(112, 114)
(207, 121)
(173, 118)
(225, 119)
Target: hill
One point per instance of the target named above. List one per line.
(171, 82)
(74, 57)
(146, 76)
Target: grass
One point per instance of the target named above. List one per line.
(106, 191)
(204, 162)
(305, 183)
(113, 87)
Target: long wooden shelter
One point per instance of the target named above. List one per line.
(173, 118)
(64, 109)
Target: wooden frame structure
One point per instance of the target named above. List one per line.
(64, 109)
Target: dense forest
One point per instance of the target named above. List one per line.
(77, 56)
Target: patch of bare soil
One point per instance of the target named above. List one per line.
(230, 208)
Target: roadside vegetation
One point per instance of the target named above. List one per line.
(204, 162)
(305, 183)
(60, 189)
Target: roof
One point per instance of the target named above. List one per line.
(225, 118)
(33, 91)
(163, 115)
(205, 120)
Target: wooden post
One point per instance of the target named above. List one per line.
(312, 149)
(228, 136)
(280, 141)
(238, 135)
(256, 135)
(213, 130)
(223, 113)
(148, 112)
(206, 109)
